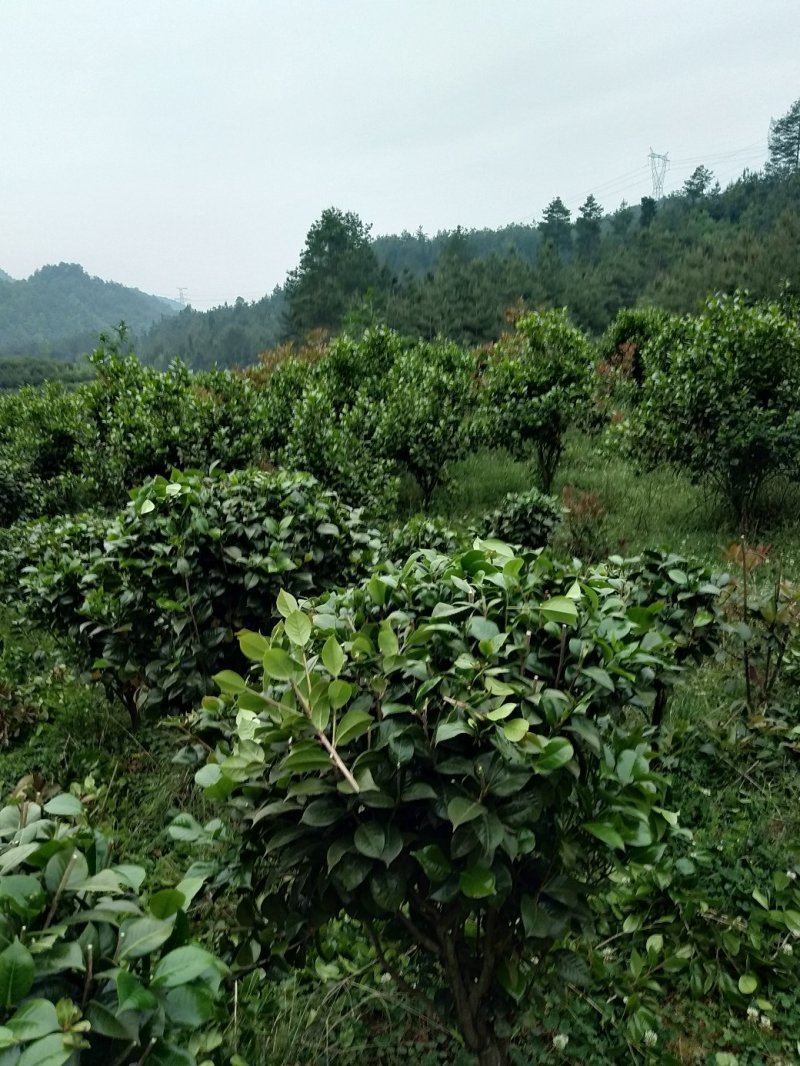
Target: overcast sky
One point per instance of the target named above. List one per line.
(191, 143)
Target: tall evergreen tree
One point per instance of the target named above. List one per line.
(555, 226)
(587, 228)
(784, 142)
(337, 266)
(698, 183)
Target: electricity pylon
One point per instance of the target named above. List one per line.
(658, 168)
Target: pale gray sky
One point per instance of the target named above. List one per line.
(166, 143)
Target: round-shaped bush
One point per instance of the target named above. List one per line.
(526, 518)
(153, 608)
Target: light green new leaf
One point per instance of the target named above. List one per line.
(560, 609)
(298, 628)
(332, 656)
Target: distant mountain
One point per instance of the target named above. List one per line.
(59, 311)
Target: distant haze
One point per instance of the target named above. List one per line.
(192, 143)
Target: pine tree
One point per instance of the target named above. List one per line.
(784, 142)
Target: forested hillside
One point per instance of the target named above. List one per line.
(59, 310)
(462, 284)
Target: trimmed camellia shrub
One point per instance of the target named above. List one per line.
(526, 518)
(152, 598)
(451, 753)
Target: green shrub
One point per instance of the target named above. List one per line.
(535, 384)
(91, 969)
(448, 753)
(423, 534)
(427, 397)
(720, 400)
(42, 432)
(151, 600)
(145, 422)
(526, 518)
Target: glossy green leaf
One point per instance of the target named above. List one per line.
(332, 656)
(298, 628)
(16, 973)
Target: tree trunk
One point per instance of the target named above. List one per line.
(492, 1055)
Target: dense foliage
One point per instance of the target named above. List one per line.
(524, 518)
(442, 751)
(720, 399)
(535, 384)
(92, 970)
(150, 600)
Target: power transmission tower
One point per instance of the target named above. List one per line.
(658, 168)
(182, 295)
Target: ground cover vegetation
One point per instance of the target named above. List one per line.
(438, 763)
(394, 699)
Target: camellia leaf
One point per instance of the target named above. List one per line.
(462, 810)
(182, 965)
(339, 692)
(229, 682)
(17, 971)
(370, 840)
(332, 656)
(557, 753)
(278, 664)
(434, 862)
(477, 882)
(353, 724)
(607, 833)
(141, 936)
(33, 1020)
(132, 995)
(387, 641)
(298, 628)
(64, 805)
(286, 603)
(51, 1050)
(515, 730)
(166, 903)
(189, 1006)
(253, 645)
(560, 609)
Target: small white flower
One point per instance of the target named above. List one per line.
(650, 1038)
(787, 949)
(706, 791)
(608, 954)
(560, 1041)
(752, 1014)
(791, 875)
(765, 1022)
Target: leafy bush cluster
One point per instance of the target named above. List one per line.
(444, 752)
(151, 599)
(361, 417)
(91, 967)
(528, 518)
(719, 399)
(534, 386)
